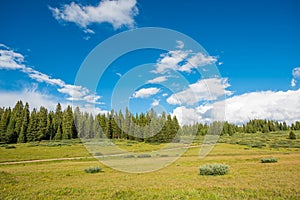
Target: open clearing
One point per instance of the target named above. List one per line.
(66, 179)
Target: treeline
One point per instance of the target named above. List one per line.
(19, 125)
(225, 128)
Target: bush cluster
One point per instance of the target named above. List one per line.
(144, 156)
(268, 160)
(129, 156)
(92, 170)
(214, 169)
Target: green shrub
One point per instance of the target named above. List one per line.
(98, 154)
(214, 169)
(268, 160)
(129, 156)
(144, 156)
(164, 155)
(10, 147)
(292, 135)
(92, 170)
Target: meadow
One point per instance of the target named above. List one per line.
(248, 178)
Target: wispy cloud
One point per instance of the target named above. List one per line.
(11, 60)
(118, 13)
(180, 44)
(296, 75)
(146, 92)
(119, 74)
(159, 79)
(203, 90)
(182, 60)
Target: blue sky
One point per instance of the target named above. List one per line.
(254, 44)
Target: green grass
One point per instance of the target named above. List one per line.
(247, 178)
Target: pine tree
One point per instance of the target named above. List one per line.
(50, 132)
(58, 135)
(18, 112)
(32, 131)
(57, 121)
(42, 123)
(25, 122)
(68, 124)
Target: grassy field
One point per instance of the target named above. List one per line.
(248, 178)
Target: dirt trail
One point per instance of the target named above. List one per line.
(78, 158)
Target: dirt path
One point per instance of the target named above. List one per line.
(78, 158)
(42, 160)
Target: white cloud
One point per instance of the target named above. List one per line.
(180, 44)
(204, 89)
(34, 98)
(170, 61)
(118, 13)
(164, 94)
(40, 77)
(37, 99)
(197, 60)
(293, 82)
(155, 102)
(11, 60)
(119, 74)
(186, 115)
(146, 92)
(296, 72)
(159, 79)
(281, 106)
(182, 60)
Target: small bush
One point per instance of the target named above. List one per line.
(214, 169)
(129, 156)
(144, 156)
(10, 147)
(98, 154)
(164, 155)
(92, 170)
(268, 160)
(292, 136)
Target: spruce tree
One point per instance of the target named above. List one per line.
(5, 118)
(32, 131)
(25, 122)
(42, 123)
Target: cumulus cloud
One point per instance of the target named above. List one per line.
(202, 90)
(280, 105)
(12, 60)
(159, 79)
(146, 92)
(155, 102)
(182, 60)
(118, 13)
(296, 75)
(186, 116)
(197, 60)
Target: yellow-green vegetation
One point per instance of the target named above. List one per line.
(248, 178)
